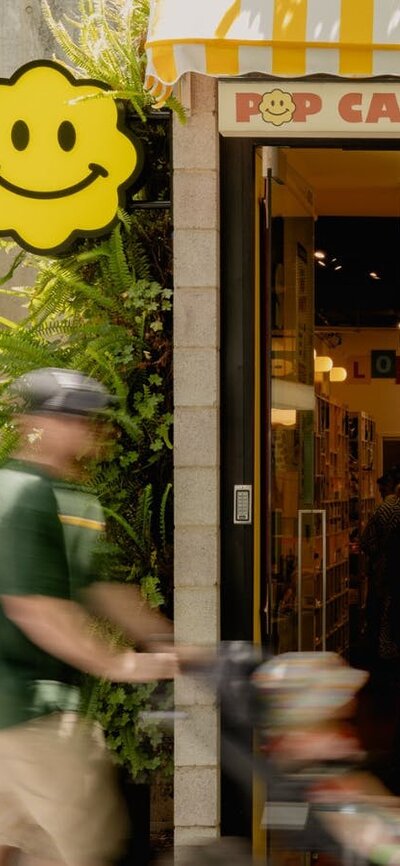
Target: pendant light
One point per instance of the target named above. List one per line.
(338, 374)
(285, 417)
(323, 364)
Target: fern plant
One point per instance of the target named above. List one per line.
(106, 41)
(105, 308)
(101, 312)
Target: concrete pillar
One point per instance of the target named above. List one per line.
(24, 35)
(197, 461)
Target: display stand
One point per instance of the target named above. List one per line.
(331, 631)
(362, 474)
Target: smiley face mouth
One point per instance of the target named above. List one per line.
(278, 113)
(96, 171)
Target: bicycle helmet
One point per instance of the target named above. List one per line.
(55, 390)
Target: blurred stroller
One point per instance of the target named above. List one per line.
(320, 795)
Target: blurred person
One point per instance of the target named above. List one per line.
(372, 544)
(386, 483)
(374, 531)
(380, 714)
(389, 631)
(310, 706)
(58, 799)
(387, 680)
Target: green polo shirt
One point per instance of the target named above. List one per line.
(48, 533)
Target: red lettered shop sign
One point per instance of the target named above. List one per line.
(307, 109)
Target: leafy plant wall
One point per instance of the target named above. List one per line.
(105, 309)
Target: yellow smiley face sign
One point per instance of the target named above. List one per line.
(65, 161)
(277, 107)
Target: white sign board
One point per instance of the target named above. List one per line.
(308, 109)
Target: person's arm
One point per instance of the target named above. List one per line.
(368, 540)
(124, 605)
(62, 628)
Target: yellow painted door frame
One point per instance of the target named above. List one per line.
(259, 835)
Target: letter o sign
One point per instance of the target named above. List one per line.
(383, 364)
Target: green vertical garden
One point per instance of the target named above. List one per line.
(105, 308)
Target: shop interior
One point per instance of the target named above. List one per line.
(335, 383)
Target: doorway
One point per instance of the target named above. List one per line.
(332, 279)
(251, 558)
(332, 341)
(390, 452)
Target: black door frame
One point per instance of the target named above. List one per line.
(237, 359)
(237, 168)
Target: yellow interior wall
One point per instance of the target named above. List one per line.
(380, 398)
(349, 182)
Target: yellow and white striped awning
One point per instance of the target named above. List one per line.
(287, 38)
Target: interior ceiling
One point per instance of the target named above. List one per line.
(350, 182)
(356, 200)
(359, 247)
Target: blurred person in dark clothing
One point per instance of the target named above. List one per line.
(389, 634)
(373, 545)
(386, 484)
(58, 799)
(388, 678)
(375, 530)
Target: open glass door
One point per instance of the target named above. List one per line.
(295, 555)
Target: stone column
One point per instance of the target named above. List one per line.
(197, 462)
(24, 35)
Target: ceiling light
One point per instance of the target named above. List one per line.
(323, 265)
(319, 254)
(374, 275)
(338, 267)
(323, 364)
(338, 374)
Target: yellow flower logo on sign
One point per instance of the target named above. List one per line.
(277, 107)
(65, 159)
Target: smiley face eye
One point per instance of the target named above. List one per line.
(273, 102)
(20, 135)
(66, 135)
(281, 103)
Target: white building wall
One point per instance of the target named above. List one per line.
(24, 35)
